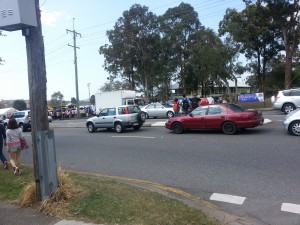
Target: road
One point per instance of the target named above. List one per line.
(257, 171)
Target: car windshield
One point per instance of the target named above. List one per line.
(133, 109)
(236, 108)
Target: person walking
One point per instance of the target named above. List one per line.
(176, 107)
(195, 101)
(14, 135)
(186, 104)
(3, 141)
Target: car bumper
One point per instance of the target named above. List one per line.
(286, 124)
(277, 105)
(168, 125)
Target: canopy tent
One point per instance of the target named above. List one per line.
(6, 112)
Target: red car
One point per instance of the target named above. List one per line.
(228, 117)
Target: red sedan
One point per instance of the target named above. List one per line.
(228, 117)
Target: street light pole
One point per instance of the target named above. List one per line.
(88, 85)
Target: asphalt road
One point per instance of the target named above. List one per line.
(257, 171)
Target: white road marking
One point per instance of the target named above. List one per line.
(158, 124)
(72, 222)
(131, 137)
(227, 198)
(292, 208)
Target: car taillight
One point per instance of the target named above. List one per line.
(276, 97)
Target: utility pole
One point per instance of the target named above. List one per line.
(43, 147)
(75, 63)
(88, 85)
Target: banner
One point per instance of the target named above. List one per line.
(253, 97)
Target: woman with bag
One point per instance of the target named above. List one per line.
(14, 136)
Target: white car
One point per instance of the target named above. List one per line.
(158, 110)
(292, 122)
(286, 100)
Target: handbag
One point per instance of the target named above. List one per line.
(24, 145)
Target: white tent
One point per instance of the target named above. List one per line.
(6, 112)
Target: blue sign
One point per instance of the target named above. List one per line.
(253, 97)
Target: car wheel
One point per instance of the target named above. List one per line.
(170, 114)
(141, 117)
(229, 128)
(118, 127)
(177, 128)
(147, 116)
(288, 107)
(295, 128)
(91, 128)
(136, 127)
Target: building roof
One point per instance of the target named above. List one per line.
(230, 82)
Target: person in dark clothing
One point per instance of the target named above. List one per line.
(3, 141)
(195, 102)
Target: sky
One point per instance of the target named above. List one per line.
(92, 18)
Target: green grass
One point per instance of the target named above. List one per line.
(108, 201)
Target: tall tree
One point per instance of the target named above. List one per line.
(176, 26)
(253, 30)
(284, 14)
(20, 104)
(56, 99)
(130, 54)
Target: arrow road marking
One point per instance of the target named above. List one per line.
(227, 198)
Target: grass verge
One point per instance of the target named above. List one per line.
(104, 200)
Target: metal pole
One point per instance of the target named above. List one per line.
(89, 84)
(75, 63)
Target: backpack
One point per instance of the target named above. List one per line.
(185, 104)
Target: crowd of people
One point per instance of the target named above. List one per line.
(65, 112)
(186, 105)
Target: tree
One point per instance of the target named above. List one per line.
(73, 101)
(20, 105)
(253, 30)
(131, 53)
(285, 17)
(92, 100)
(176, 26)
(56, 99)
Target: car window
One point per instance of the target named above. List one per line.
(133, 109)
(130, 102)
(111, 112)
(200, 111)
(286, 93)
(151, 106)
(295, 93)
(215, 110)
(121, 110)
(103, 112)
(236, 108)
(158, 106)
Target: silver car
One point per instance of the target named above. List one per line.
(292, 122)
(158, 110)
(118, 118)
(286, 100)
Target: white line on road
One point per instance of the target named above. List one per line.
(131, 137)
(72, 222)
(292, 208)
(158, 124)
(227, 198)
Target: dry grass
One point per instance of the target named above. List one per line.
(57, 203)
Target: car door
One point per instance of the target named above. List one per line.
(110, 118)
(295, 95)
(195, 120)
(159, 110)
(216, 115)
(100, 120)
(151, 110)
